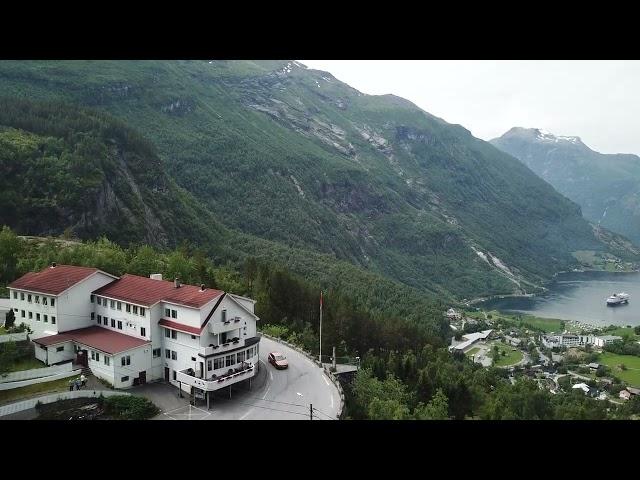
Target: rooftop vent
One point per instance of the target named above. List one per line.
(53, 264)
(202, 287)
(176, 283)
(155, 276)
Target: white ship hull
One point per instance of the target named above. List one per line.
(618, 299)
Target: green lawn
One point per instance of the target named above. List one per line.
(26, 364)
(473, 351)
(3, 331)
(631, 375)
(524, 320)
(510, 357)
(623, 332)
(23, 393)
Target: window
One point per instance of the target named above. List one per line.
(230, 360)
(46, 319)
(22, 313)
(113, 323)
(174, 355)
(21, 296)
(97, 357)
(135, 309)
(209, 365)
(30, 315)
(174, 375)
(174, 314)
(53, 302)
(119, 325)
(105, 321)
(45, 301)
(37, 298)
(167, 353)
(125, 360)
(193, 337)
(93, 316)
(107, 360)
(143, 332)
(92, 298)
(174, 334)
(240, 357)
(60, 349)
(93, 355)
(128, 307)
(167, 312)
(112, 304)
(193, 359)
(37, 317)
(53, 319)
(249, 352)
(124, 379)
(119, 305)
(99, 318)
(218, 363)
(15, 295)
(29, 298)
(157, 352)
(167, 333)
(142, 311)
(224, 315)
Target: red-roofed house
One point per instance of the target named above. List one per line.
(55, 299)
(137, 329)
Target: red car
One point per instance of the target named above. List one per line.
(278, 360)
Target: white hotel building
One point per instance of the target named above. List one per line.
(132, 330)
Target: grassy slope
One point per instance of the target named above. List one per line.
(631, 375)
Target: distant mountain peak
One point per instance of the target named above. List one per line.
(542, 135)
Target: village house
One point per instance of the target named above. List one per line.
(132, 330)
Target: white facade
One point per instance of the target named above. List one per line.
(571, 340)
(48, 314)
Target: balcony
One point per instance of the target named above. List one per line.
(223, 347)
(217, 327)
(216, 382)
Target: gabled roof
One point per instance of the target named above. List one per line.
(54, 280)
(99, 338)
(147, 291)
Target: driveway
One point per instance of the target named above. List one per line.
(272, 395)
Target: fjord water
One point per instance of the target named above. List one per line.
(580, 296)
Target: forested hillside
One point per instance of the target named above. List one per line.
(314, 167)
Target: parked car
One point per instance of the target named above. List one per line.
(278, 360)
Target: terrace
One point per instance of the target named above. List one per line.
(243, 371)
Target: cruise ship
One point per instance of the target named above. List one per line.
(618, 299)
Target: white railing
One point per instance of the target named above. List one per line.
(220, 382)
(50, 378)
(217, 327)
(222, 348)
(35, 373)
(14, 337)
(55, 397)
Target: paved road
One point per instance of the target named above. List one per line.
(274, 394)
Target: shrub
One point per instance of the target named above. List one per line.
(277, 331)
(130, 407)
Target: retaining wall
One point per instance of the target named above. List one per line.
(54, 397)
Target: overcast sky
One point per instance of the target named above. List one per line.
(598, 101)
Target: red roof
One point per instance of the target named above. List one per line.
(53, 280)
(147, 291)
(99, 338)
(180, 326)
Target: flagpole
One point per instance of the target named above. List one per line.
(320, 355)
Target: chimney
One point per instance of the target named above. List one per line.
(155, 276)
(202, 287)
(53, 264)
(176, 282)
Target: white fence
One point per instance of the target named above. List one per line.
(50, 378)
(35, 373)
(13, 337)
(333, 378)
(54, 397)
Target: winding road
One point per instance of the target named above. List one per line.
(274, 394)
